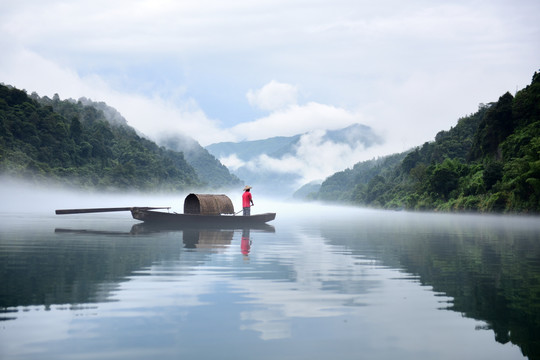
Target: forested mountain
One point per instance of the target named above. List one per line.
(490, 161)
(205, 164)
(70, 142)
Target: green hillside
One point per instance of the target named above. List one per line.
(490, 161)
(205, 164)
(44, 139)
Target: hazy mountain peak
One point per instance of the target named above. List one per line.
(286, 162)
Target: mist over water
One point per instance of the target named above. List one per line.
(25, 197)
(20, 196)
(323, 282)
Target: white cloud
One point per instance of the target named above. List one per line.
(314, 158)
(156, 115)
(273, 96)
(409, 70)
(151, 115)
(232, 162)
(296, 119)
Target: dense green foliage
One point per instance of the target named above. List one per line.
(67, 141)
(490, 161)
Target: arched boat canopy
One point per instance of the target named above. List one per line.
(205, 204)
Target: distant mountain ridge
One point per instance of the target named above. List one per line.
(245, 150)
(255, 155)
(281, 145)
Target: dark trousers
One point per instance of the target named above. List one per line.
(247, 211)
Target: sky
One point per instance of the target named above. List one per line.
(251, 69)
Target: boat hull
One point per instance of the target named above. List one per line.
(196, 220)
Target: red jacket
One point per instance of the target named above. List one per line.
(246, 199)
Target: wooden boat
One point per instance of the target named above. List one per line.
(160, 217)
(199, 210)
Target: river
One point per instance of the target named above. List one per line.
(323, 282)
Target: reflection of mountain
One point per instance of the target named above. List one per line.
(313, 280)
(86, 266)
(76, 266)
(347, 278)
(492, 272)
(74, 269)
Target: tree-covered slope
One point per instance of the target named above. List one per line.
(490, 161)
(69, 142)
(214, 173)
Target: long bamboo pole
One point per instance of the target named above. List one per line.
(96, 210)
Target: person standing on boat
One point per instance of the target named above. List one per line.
(247, 201)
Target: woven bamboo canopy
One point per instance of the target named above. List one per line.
(208, 204)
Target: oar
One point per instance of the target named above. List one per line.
(241, 211)
(96, 210)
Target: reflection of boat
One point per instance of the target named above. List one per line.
(146, 228)
(199, 209)
(194, 237)
(214, 240)
(153, 227)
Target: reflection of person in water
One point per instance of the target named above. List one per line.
(245, 244)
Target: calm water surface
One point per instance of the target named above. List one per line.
(336, 283)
